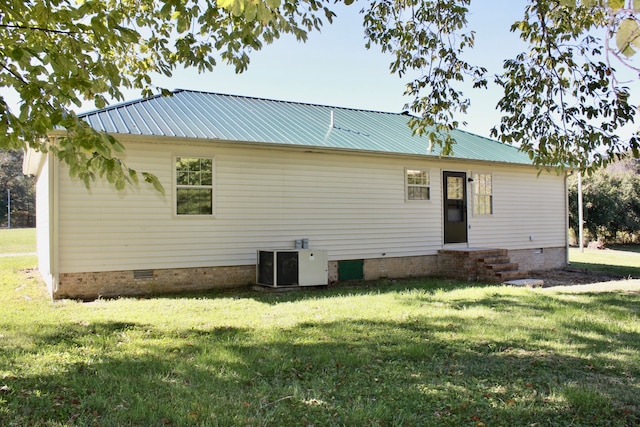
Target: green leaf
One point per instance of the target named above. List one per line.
(628, 34)
(251, 10)
(183, 24)
(133, 176)
(238, 7)
(128, 35)
(120, 184)
(116, 145)
(16, 54)
(153, 180)
(226, 4)
(263, 14)
(615, 4)
(235, 7)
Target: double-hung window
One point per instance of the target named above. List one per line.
(482, 194)
(194, 186)
(418, 185)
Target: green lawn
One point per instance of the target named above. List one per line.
(17, 240)
(386, 354)
(624, 260)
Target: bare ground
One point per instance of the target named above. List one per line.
(578, 280)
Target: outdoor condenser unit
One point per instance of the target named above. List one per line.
(292, 267)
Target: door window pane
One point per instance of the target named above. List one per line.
(455, 188)
(454, 214)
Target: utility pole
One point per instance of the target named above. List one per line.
(580, 214)
(8, 208)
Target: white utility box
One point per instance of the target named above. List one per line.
(292, 267)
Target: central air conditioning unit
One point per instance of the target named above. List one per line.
(292, 267)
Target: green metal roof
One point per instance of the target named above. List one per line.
(203, 115)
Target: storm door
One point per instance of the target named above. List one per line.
(455, 207)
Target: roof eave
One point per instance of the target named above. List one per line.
(304, 148)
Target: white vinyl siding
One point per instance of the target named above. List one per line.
(528, 211)
(353, 206)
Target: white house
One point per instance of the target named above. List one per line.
(243, 174)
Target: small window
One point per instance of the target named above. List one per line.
(418, 185)
(194, 186)
(482, 194)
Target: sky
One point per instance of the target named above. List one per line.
(334, 68)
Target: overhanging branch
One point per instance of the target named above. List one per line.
(46, 30)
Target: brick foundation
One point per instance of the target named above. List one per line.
(124, 283)
(540, 259)
(396, 268)
(459, 264)
(392, 268)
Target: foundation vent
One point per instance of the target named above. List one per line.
(142, 274)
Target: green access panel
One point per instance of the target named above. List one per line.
(351, 270)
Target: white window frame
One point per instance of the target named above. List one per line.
(479, 190)
(408, 186)
(177, 186)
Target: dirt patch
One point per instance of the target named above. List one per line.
(573, 280)
(573, 276)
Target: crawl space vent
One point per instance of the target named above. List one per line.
(142, 274)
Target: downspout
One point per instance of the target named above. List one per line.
(53, 222)
(566, 216)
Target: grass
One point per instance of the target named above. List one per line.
(623, 260)
(405, 353)
(17, 240)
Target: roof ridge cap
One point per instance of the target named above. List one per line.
(126, 103)
(311, 104)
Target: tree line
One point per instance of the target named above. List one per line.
(611, 203)
(17, 192)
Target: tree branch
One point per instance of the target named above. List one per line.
(46, 30)
(13, 73)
